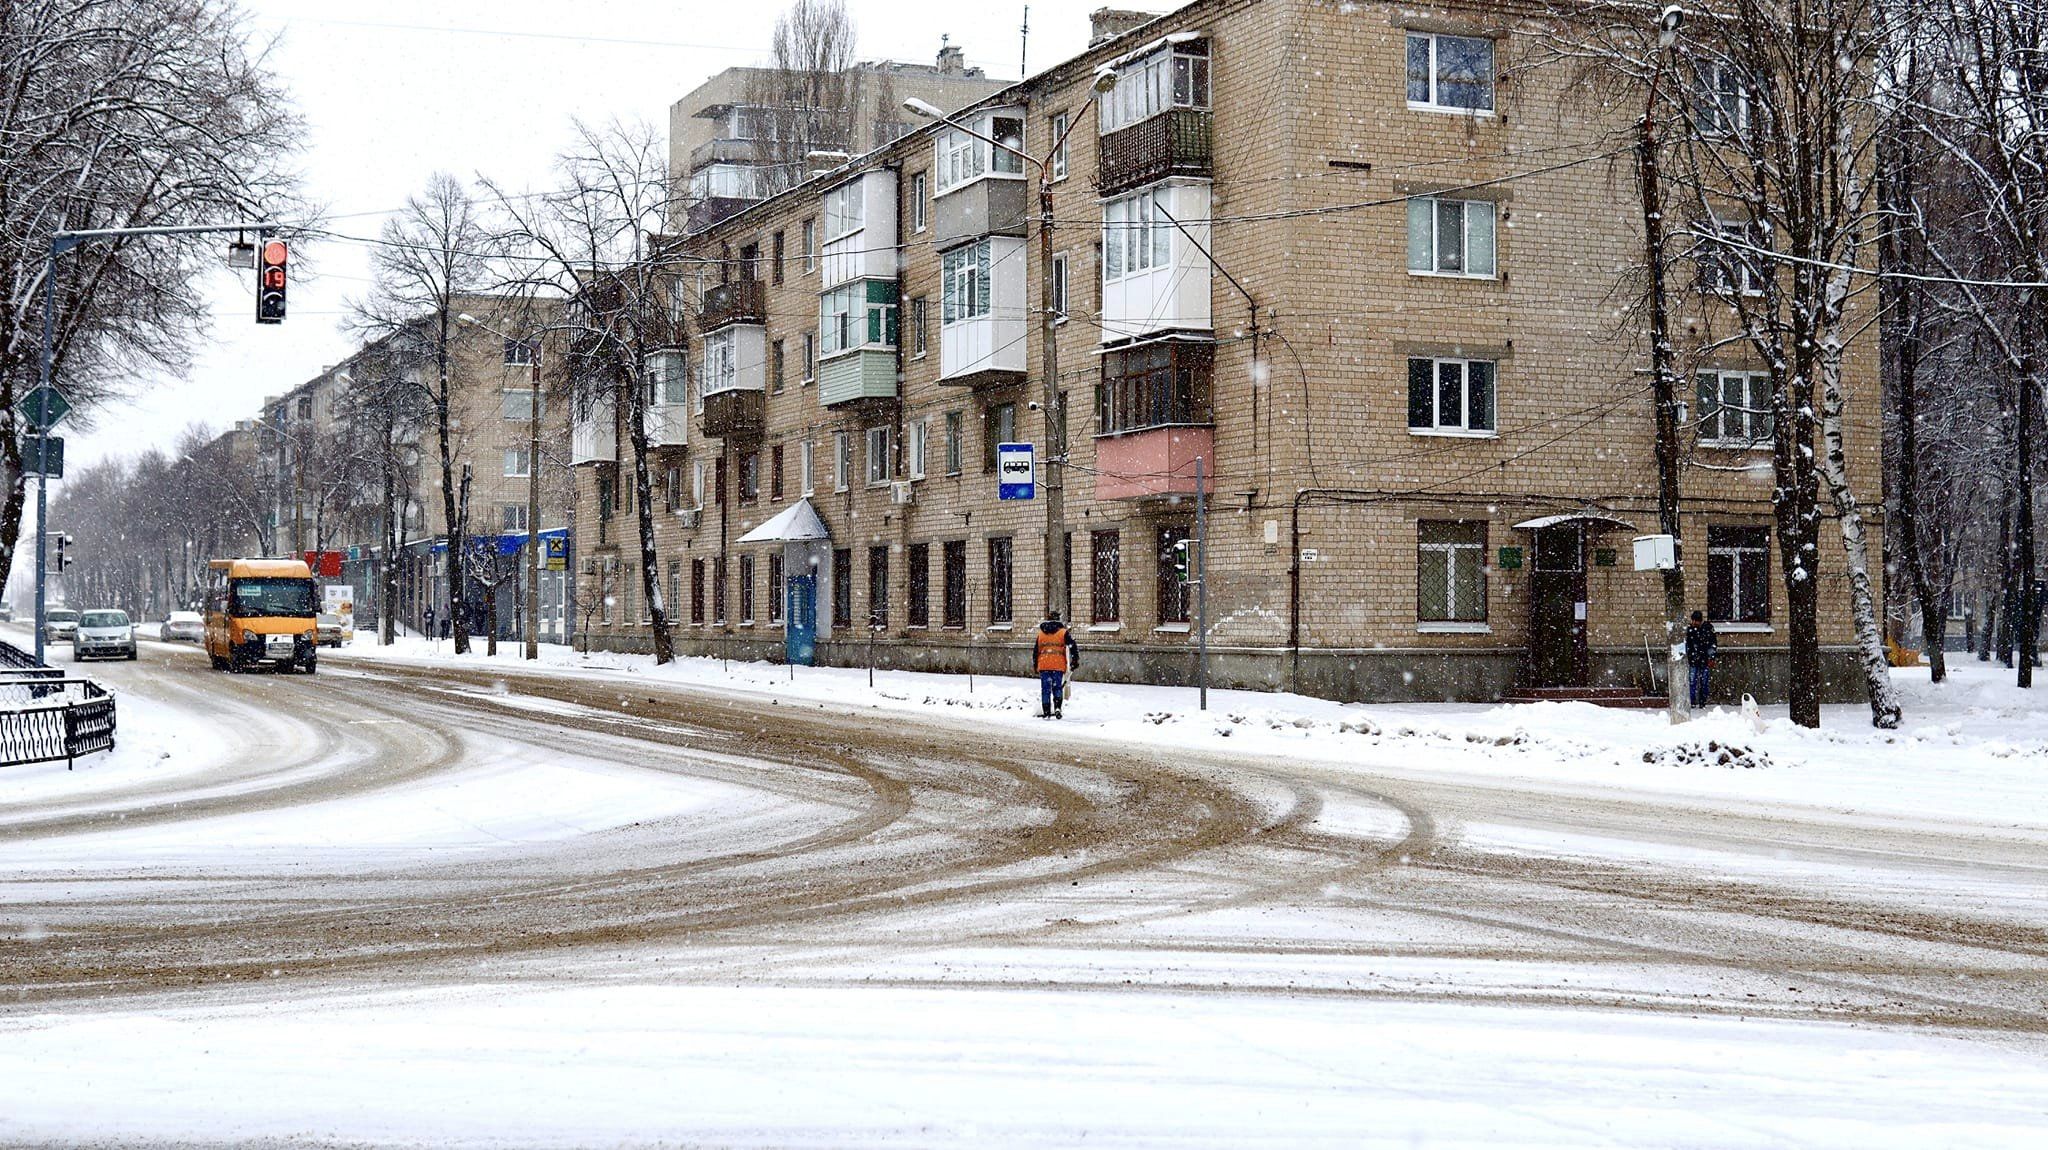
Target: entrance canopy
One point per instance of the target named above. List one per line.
(797, 523)
(1591, 520)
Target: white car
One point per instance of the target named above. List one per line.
(103, 634)
(58, 624)
(184, 627)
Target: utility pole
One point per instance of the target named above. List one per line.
(1202, 581)
(533, 510)
(1664, 382)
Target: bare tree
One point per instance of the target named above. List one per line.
(591, 239)
(434, 252)
(806, 99)
(121, 113)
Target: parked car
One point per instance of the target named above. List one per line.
(103, 635)
(330, 628)
(59, 624)
(6, 612)
(184, 627)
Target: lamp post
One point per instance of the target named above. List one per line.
(1057, 577)
(532, 628)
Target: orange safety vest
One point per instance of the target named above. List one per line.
(1052, 650)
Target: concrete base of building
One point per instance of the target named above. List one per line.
(1362, 675)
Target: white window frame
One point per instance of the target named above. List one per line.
(1153, 84)
(920, 438)
(511, 517)
(845, 210)
(1136, 236)
(960, 159)
(1739, 558)
(805, 461)
(720, 370)
(697, 484)
(810, 358)
(842, 461)
(881, 467)
(1060, 280)
(964, 272)
(516, 404)
(1724, 269)
(1754, 412)
(518, 353)
(1433, 103)
(956, 442)
(1463, 425)
(1059, 154)
(920, 202)
(1721, 100)
(1450, 552)
(518, 463)
(1427, 216)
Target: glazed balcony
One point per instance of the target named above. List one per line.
(1172, 143)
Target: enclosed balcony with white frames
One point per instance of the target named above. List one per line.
(1155, 275)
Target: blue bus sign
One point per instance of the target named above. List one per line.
(1015, 471)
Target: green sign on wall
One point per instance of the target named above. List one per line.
(1510, 558)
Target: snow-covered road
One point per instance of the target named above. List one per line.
(438, 905)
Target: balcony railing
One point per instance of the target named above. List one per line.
(1174, 143)
(734, 414)
(741, 301)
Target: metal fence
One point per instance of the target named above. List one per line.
(46, 715)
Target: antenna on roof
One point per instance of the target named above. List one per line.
(1024, 46)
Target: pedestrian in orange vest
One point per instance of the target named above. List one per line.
(1056, 654)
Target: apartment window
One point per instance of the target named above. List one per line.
(718, 590)
(878, 587)
(775, 367)
(810, 357)
(1137, 233)
(720, 370)
(1450, 237)
(955, 434)
(750, 477)
(1727, 259)
(1173, 596)
(306, 407)
(1000, 607)
(1058, 135)
(626, 589)
(718, 480)
(1176, 76)
(518, 462)
(1735, 408)
(917, 609)
(775, 588)
(775, 259)
(1106, 568)
(1059, 288)
(1739, 574)
(880, 466)
(842, 461)
(517, 406)
(747, 587)
(1454, 72)
(920, 204)
(963, 283)
(675, 590)
(811, 245)
(920, 433)
(955, 589)
(697, 484)
(696, 592)
(1450, 571)
(845, 210)
(998, 425)
(804, 460)
(921, 337)
(775, 472)
(518, 353)
(860, 314)
(842, 587)
(1162, 384)
(1721, 99)
(511, 517)
(671, 488)
(1451, 395)
(607, 496)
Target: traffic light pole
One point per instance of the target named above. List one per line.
(60, 243)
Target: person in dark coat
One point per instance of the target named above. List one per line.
(1054, 653)
(1700, 648)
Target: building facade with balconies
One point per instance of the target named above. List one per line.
(1299, 246)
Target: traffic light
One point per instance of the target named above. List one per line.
(271, 259)
(62, 559)
(1184, 561)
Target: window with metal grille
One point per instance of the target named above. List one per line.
(917, 607)
(1106, 567)
(955, 590)
(718, 590)
(1450, 571)
(842, 587)
(878, 587)
(776, 591)
(746, 588)
(1739, 574)
(1173, 595)
(1000, 608)
(696, 592)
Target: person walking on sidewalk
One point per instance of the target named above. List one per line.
(1700, 648)
(1056, 654)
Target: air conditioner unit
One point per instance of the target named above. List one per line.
(690, 518)
(902, 494)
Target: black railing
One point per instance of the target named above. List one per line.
(45, 715)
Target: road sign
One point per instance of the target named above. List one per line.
(1014, 471)
(35, 462)
(45, 407)
(558, 552)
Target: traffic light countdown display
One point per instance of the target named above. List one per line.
(271, 275)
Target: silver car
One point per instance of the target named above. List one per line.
(184, 627)
(103, 635)
(59, 623)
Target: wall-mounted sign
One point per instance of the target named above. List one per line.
(1014, 471)
(1603, 557)
(1510, 558)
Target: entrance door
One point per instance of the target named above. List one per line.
(1557, 608)
(800, 615)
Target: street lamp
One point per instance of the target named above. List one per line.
(1056, 573)
(532, 628)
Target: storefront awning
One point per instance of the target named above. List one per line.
(795, 524)
(1591, 520)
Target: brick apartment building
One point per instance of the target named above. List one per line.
(1327, 249)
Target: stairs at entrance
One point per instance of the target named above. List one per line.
(1627, 698)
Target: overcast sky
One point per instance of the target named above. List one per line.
(393, 91)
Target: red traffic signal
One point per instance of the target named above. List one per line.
(270, 281)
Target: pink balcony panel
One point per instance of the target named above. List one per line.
(1154, 464)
